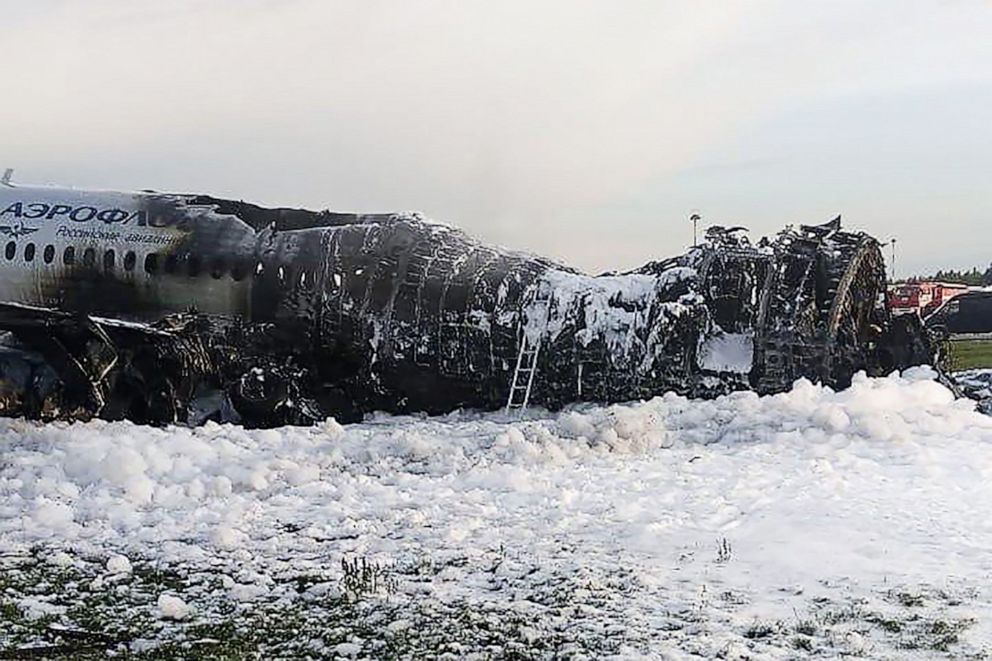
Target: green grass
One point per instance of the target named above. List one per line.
(378, 610)
(99, 616)
(969, 354)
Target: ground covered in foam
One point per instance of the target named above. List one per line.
(812, 522)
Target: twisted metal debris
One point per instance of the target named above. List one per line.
(287, 317)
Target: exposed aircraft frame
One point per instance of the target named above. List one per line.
(281, 316)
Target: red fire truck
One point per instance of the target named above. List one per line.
(922, 297)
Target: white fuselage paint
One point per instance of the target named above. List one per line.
(39, 224)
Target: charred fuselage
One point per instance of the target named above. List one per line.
(177, 308)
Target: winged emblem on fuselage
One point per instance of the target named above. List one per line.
(19, 229)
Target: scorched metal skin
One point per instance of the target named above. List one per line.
(165, 308)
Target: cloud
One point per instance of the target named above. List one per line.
(523, 122)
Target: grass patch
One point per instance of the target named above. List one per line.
(937, 635)
(760, 630)
(724, 552)
(969, 354)
(405, 608)
(81, 612)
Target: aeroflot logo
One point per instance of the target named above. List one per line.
(16, 230)
(41, 210)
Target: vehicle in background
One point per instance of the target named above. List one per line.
(923, 298)
(969, 314)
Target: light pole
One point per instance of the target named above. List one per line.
(893, 259)
(892, 243)
(695, 217)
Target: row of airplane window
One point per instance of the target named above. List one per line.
(153, 263)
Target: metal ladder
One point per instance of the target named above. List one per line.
(523, 374)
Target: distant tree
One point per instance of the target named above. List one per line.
(973, 277)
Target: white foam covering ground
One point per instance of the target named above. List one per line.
(705, 519)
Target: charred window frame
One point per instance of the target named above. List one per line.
(218, 268)
(29, 252)
(151, 263)
(239, 270)
(69, 255)
(130, 259)
(49, 254)
(10, 251)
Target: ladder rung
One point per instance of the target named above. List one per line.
(527, 358)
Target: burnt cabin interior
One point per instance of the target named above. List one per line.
(348, 314)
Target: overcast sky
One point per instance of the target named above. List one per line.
(582, 130)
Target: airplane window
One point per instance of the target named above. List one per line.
(281, 273)
(151, 263)
(239, 270)
(337, 279)
(218, 268)
(171, 262)
(89, 257)
(193, 266)
(303, 277)
(259, 270)
(108, 260)
(69, 256)
(29, 252)
(49, 253)
(11, 250)
(129, 259)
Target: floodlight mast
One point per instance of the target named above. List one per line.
(695, 217)
(893, 259)
(892, 244)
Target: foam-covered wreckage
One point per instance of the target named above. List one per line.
(276, 316)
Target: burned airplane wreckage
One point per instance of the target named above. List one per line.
(163, 308)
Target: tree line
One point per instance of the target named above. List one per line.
(974, 277)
